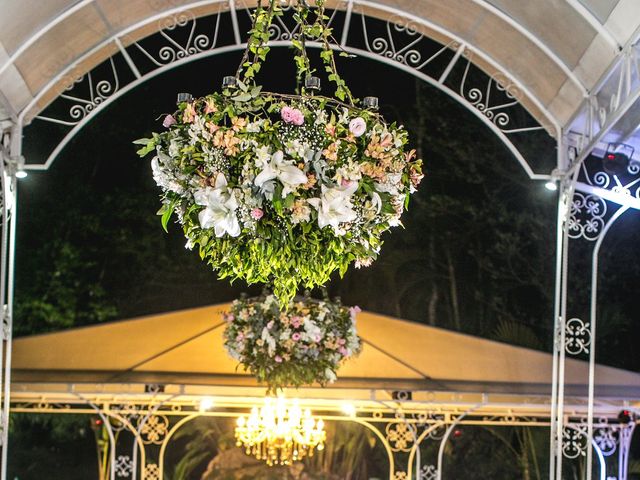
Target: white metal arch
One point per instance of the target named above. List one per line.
(505, 18)
(402, 53)
(485, 4)
(122, 37)
(438, 84)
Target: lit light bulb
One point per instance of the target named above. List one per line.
(349, 409)
(206, 404)
(551, 185)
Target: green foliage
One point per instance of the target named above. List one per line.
(517, 334)
(55, 447)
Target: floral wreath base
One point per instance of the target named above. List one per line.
(282, 189)
(302, 345)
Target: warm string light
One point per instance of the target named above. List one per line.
(280, 434)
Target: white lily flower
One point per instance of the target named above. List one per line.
(263, 155)
(311, 330)
(279, 168)
(269, 340)
(162, 173)
(335, 207)
(220, 211)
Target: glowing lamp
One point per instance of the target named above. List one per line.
(616, 160)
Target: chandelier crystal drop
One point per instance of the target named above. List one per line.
(278, 433)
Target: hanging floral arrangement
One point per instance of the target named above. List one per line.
(283, 189)
(303, 344)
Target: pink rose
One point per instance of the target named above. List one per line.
(168, 121)
(296, 321)
(343, 351)
(353, 311)
(357, 126)
(287, 114)
(257, 213)
(230, 317)
(295, 337)
(292, 115)
(298, 117)
(278, 359)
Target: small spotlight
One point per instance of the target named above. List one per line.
(349, 409)
(616, 160)
(206, 404)
(551, 185)
(626, 416)
(21, 174)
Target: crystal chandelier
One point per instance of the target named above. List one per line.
(280, 434)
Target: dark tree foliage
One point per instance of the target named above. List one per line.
(55, 447)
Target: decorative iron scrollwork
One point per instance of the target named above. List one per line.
(586, 218)
(574, 441)
(401, 436)
(123, 466)
(577, 336)
(428, 472)
(153, 428)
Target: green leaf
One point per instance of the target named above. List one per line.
(167, 210)
(149, 145)
(243, 97)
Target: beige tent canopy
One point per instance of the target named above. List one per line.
(155, 374)
(186, 348)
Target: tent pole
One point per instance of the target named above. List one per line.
(10, 153)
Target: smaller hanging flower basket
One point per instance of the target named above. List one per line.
(304, 344)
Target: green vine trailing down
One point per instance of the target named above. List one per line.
(282, 189)
(317, 30)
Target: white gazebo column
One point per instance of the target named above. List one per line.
(10, 161)
(591, 201)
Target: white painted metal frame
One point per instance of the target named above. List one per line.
(399, 48)
(492, 103)
(611, 99)
(10, 144)
(402, 427)
(586, 215)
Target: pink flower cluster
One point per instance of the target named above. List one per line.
(292, 115)
(168, 121)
